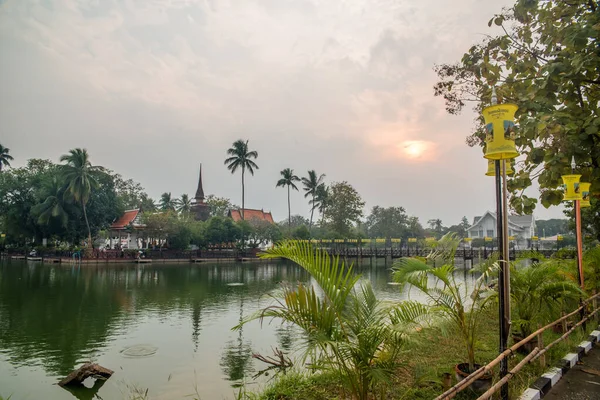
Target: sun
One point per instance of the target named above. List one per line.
(414, 148)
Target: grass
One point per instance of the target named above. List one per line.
(434, 352)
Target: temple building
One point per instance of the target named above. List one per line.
(250, 215)
(199, 208)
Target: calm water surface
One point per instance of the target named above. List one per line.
(165, 328)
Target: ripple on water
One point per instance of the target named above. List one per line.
(139, 351)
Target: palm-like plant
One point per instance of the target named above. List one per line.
(347, 329)
(538, 292)
(81, 178)
(53, 205)
(287, 179)
(241, 157)
(311, 183)
(5, 158)
(447, 297)
(184, 204)
(321, 200)
(166, 203)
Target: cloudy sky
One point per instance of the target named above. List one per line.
(153, 88)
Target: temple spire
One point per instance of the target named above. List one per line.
(200, 192)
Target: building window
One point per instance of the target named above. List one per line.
(474, 234)
(490, 233)
(481, 233)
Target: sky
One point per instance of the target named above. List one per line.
(153, 88)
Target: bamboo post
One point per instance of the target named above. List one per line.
(541, 347)
(509, 375)
(564, 323)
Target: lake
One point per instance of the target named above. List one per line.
(164, 328)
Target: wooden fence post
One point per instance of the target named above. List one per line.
(540, 346)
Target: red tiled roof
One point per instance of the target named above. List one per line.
(250, 214)
(127, 218)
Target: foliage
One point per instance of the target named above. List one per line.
(287, 179)
(222, 230)
(321, 200)
(545, 61)
(347, 328)
(301, 232)
(538, 293)
(436, 227)
(166, 202)
(218, 206)
(590, 218)
(389, 222)
(296, 222)
(345, 207)
(448, 297)
(184, 204)
(241, 157)
(5, 157)
(81, 178)
(258, 233)
(311, 186)
(551, 227)
(131, 194)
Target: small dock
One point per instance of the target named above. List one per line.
(143, 261)
(18, 258)
(34, 258)
(213, 260)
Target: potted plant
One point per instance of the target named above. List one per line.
(538, 293)
(451, 299)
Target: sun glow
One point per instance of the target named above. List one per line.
(414, 148)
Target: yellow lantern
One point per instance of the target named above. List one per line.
(412, 240)
(500, 132)
(572, 187)
(585, 194)
(492, 168)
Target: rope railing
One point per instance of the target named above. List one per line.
(460, 386)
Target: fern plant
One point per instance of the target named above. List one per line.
(347, 329)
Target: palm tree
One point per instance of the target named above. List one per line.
(241, 158)
(81, 178)
(166, 203)
(53, 205)
(288, 179)
(311, 183)
(348, 330)
(184, 204)
(321, 200)
(4, 157)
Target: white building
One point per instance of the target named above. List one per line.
(522, 227)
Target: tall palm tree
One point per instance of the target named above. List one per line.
(53, 206)
(288, 179)
(4, 157)
(166, 203)
(241, 157)
(81, 178)
(184, 204)
(311, 183)
(321, 200)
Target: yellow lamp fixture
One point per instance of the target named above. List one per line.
(500, 132)
(572, 187)
(491, 171)
(585, 194)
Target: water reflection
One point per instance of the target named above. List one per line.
(54, 317)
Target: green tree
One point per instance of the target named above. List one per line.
(345, 207)
(81, 178)
(545, 61)
(53, 207)
(436, 227)
(551, 227)
(387, 222)
(5, 158)
(321, 201)
(218, 206)
(184, 204)
(311, 183)
(167, 203)
(287, 179)
(415, 229)
(241, 157)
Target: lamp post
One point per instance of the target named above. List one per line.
(500, 146)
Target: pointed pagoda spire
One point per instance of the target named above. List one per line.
(200, 192)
